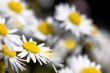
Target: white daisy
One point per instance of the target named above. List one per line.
(16, 22)
(43, 28)
(65, 70)
(72, 20)
(81, 64)
(33, 51)
(12, 7)
(6, 35)
(10, 56)
(65, 45)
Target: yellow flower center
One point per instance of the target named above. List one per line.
(75, 18)
(15, 6)
(70, 44)
(6, 51)
(31, 47)
(95, 30)
(45, 28)
(90, 70)
(3, 30)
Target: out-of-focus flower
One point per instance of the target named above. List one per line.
(12, 8)
(43, 28)
(11, 56)
(16, 22)
(6, 35)
(82, 64)
(66, 44)
(65, 70)
(72, 20)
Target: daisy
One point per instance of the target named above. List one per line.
(6, 35)
(33, 51)
(11, 57)
(81, 64)
(12, 7)
(72, 20)
(65, 70)
(66, 44)
(16, 22)
(43, 28)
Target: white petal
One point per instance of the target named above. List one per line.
(2, 20)
(30, 40)
(41, 45)
(28, 59)
(33, 57)
(13, 30)
(23, 54)
(24, 38)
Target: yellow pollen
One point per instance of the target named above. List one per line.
(45, 28)
(3, 30)
(31, 47)
(70, 44)
(15, 6)
(75, 18)
(90, 70)
(6, 51)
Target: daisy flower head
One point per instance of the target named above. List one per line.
(82, 64)
(10, 57)
(65, 70)
(16, 22)
(72, 19)
(43, 28)
(67, 43)
(31, 50)
(12, 7)
(65, 46)
(7, 36)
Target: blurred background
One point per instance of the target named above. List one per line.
(98, 10)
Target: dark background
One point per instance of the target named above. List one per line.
(100, 12)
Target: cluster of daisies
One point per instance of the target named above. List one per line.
(25, 37)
